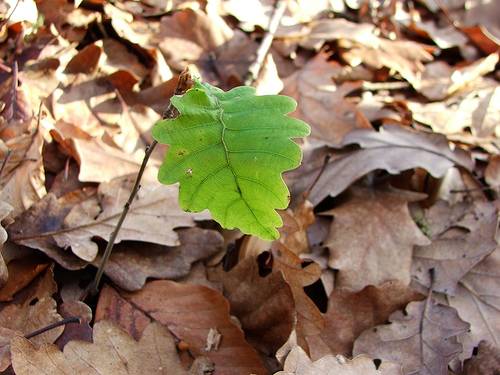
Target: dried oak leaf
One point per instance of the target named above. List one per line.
(477, 300)
(189, 312)
(34, 228)
(439, 80)
(423, 338)
(322, 103)
(310, 321)
(486, 362)
(152, 217)
(349, 314)
(113, 352)
(187, 34)
(263, 304)
(361, 45)
(132, 263)
(372, 237)
(298, 363)
(458, 243)
(21, 272)
(5, 210)
(36, 310)
(392, 148)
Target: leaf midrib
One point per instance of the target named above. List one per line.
(220, 115)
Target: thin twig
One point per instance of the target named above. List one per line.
(265, 45)
(72, 319)
(4, 162)
(185, 82)
(321, 171)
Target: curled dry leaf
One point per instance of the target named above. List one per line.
(477, 300)
(155, 205)
(189, 312)
(113, 352)
(310, 321)
(486, 362)
(440, 80)
(349, 314)
(456, 246)
(263, 304)
(36, 310)
(384, 233)
(393, 149)
(423, 338)
(132, 263)
(298, 363)
(322, 103)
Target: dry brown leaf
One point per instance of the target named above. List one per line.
(186, 35)
(298, 363)
(113, 307)
(478, 110)
(75, 331)
(263, 304)
(189, 312)
(393, 149)
(113, 352)
(486, 362)
(349, 314)
(155, 206)
(132, 263)
(457, 245)
(362, 45)
(321, 102)
(423, 338)
(492, 172)
(310, 321)
(295, 223)
(478, 302)
(5, 210)
(439, 80)
(372, 237)
(21, 272)
(34, 228)
(25, 185)
(36, 310)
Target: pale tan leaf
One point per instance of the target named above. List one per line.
(190, 311)
(372, 237)
(37, 310)
(423, 338)
(298, 363)
(392, 148)
(113, 352)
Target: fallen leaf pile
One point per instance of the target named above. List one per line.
(388, 261)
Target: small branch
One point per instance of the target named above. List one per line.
(306, 193)
(4, 162)
(265, 45)
(185, 82)
(72, 319)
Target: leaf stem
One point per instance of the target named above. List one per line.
(71, 319)
(254, 69)
(185, 82)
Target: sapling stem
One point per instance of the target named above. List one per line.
(72, 319)
(185, 83)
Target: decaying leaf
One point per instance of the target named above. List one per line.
(349, 314)
(113, 352)
(178, 307)
(298, 363)
(477, 301)
(132, 263)
(153, 207)
(423, 338)
(456, 246)
(486, 362)
(322, 103)
(36, 310)
(393, 149)
(263, 304)
(372, 237)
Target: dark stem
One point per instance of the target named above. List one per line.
(72, 319)
(321, 171)
(4, 162)
(265, 45)
(185, 82)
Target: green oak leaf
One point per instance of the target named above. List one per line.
(228, 151)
